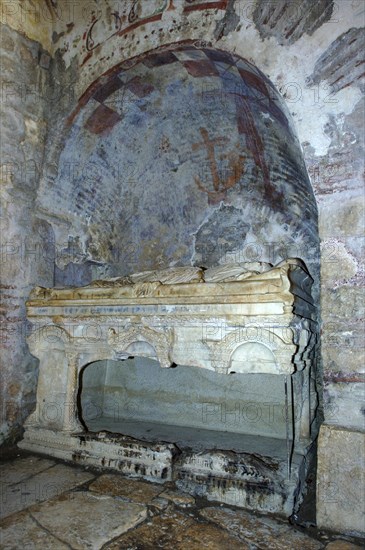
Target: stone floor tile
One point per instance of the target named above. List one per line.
(342, 545)
(114, 485)
(20, 469)
(85, 520)
(22, 531)
(199, 536)
(263, 532)
(40, 487)
(163, 531)
(178, 531)
(179, 498)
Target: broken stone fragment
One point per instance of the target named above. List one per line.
(179, 498)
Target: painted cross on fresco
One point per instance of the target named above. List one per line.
(221, 180)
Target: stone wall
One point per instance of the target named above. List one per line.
(310, 51)
(26, 239)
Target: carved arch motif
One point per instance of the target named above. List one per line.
(282, 349)
(160, 341)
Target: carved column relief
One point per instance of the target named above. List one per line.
(70, 420)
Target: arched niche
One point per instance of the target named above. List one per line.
(250, 356)
(185, 155)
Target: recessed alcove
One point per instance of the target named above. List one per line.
(182, 156)
(137, 397)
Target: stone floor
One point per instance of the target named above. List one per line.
(46, 504)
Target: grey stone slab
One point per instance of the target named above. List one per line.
(341, 480)
(23, 468)
(344, 405)
(179, 498)
(140, 390)
(161, 503)
(22, 531)
(45, 485)
(88, 520)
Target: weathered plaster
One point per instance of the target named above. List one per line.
(31, 18)
(287, 66)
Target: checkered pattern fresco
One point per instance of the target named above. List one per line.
(217, 71)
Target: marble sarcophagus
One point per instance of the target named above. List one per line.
(247, 319)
